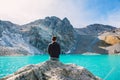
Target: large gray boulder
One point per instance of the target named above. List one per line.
(52, 70)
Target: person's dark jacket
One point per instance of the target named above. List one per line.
(54, 50)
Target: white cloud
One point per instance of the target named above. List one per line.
(24, 11)
(113, 19)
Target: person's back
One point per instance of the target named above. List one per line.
(54, 49)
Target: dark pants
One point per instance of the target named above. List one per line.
(54, 59)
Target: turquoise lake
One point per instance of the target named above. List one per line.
(105, 66)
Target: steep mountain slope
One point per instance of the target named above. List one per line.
(12, 41)
(34, 37)
(89, 44)
(104, 41)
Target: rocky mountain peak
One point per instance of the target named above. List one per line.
(52, 18)
(65, 20)
(43, 29)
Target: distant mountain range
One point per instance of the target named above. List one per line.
(34, 37)
(95, 29)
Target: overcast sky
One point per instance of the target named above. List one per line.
(80, 12)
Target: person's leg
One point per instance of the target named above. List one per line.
(54, 59)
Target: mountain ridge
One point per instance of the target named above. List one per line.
(95, 29)
(34, 37)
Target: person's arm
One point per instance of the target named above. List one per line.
(59, 49)
(49, 48)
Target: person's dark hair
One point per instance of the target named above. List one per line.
(54, 38)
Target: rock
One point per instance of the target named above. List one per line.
(114, 49)
(9, 51)
(52, 70)
(111, 39)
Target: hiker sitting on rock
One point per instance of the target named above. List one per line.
(54, 49)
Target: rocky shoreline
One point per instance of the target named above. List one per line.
(52, 70)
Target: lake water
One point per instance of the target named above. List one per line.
(105, 66)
